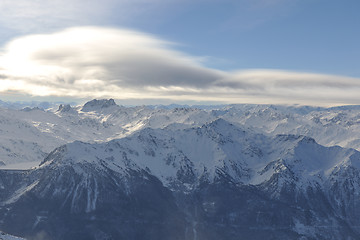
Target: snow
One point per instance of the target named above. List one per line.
(16, 195)
(20, 166)
(261, 145)
(28, 136)
(4, 236)
(251, 143)
(218, 147)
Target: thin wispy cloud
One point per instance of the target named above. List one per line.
(42, 15)
(87, 62)
(23, 16)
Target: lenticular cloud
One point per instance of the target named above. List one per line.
(121, 63)
(101, 59)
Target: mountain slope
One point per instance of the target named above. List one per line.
(216, 181)
(28, 135)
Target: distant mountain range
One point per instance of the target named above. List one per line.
(104, 171)
(30, 104)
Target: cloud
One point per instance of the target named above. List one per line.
(102, 59)
(37, 16)
(88, 62)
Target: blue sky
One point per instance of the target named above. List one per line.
(306, 35)
(205, 51)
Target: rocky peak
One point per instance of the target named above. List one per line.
(64, 108)
(98, 104)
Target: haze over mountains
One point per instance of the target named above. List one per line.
(231, 172)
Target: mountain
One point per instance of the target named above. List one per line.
(218, 181)
(18, 105)
(28, 135)
(4, 236)
(95, 104)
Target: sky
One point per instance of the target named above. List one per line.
(180, 51)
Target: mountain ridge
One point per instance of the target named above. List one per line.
(189, 174)
(41, 131)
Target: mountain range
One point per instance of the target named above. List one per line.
(104, 171)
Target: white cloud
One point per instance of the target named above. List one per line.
(101, 59)
(88, 62)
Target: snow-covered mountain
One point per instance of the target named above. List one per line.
(214, 181)
(113, 172)
(4, 236)
(28, 135)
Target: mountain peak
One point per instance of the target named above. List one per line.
(98, 104)
(220, 122)
(64, 108)
(29, 109)
(222, 126)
